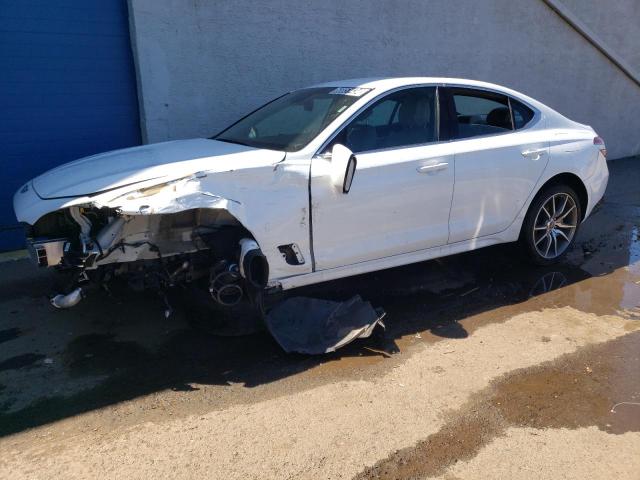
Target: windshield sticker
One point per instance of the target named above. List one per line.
(350, 91)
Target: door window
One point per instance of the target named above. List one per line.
(480, 113)
(404, 118)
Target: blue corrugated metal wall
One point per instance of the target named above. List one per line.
(67, 90)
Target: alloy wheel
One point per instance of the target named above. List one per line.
(555, 225)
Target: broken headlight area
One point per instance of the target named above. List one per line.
(205, 249)
(65, 237)
(47, 252)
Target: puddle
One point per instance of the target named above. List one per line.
(20, 361)
(577, 390)
(452, 297)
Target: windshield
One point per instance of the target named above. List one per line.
(290, 122)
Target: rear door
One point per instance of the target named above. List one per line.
(499, 157)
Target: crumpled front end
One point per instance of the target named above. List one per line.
(204, 248)
(223, 218)
(160, 236)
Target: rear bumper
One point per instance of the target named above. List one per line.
(597, 184)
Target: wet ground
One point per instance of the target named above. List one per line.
(114, 362)
(578, 390)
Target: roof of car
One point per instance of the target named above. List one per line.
(388, 83)
(393, 82)
(372, 82)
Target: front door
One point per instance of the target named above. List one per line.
(401, 194)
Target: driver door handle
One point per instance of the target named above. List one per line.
(432, 168)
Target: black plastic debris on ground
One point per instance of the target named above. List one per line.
(315, 326)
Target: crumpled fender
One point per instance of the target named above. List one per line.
(271, 202)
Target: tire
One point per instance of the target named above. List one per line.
(551, 224)
(207, 316)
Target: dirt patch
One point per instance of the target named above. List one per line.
(458, 440)
(596, 386)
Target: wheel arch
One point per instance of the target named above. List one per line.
(566, 178)
(571, 180)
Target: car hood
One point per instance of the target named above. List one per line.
(163, 161)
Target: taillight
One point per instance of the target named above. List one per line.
(599, 142)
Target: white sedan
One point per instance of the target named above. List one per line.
(321, 183)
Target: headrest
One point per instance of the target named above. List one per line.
(499, 117)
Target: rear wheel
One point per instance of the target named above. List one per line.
(551, 224)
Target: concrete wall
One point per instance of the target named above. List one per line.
(204, 63)
(617, 22)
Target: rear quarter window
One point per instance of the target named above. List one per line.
(522, 114)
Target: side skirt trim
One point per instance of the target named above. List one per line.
(387, 262)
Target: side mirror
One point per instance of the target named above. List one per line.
(343, 167)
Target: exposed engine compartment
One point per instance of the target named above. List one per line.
(198, 248)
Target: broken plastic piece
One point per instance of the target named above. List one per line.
(67, 301)
(315, 326)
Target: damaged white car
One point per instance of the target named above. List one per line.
(322, 183)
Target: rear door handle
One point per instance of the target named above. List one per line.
(433, 168)
(534, 154)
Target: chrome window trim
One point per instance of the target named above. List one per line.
(537, 115)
